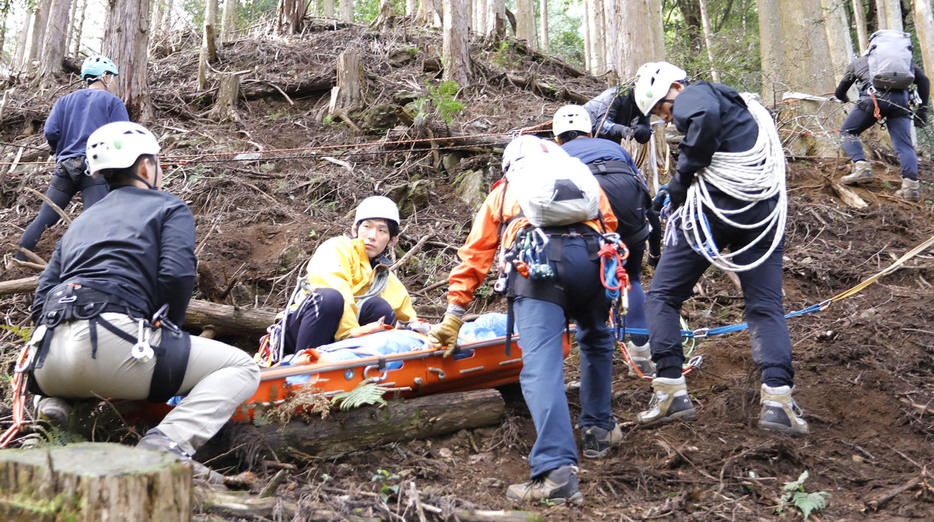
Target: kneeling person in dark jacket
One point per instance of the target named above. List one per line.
(117, 284)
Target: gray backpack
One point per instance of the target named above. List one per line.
(890, 60)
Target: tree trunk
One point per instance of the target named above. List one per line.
(126, 42)
(349, 89)
(455, 50)
(859, 19)
(495, 28)
(167, 18)
(369, 427)
(93, 481)
(290, 15)
(889, 13)
(924, 27)
(708, 41)
(53, 48)
(37, 36)
(428, 13)
(771, 50)
(158, 12)
(641, 37)
(597, 37)
(611, 41)
(588, 45)
(543, 24)
(385, 15)
(525, 22)
(346, 11)
(229, 23)
(836, 27)
(208, 51)
(70, 23)
(327, 8)
(411, 7)
(22, 41)
(79, 28)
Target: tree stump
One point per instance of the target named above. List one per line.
(225, 105)
(93, 481)
(349, 89)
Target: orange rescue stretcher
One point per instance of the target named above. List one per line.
(416, 369)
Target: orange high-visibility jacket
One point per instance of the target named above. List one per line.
(478, 253)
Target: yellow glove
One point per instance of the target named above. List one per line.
(445, 334)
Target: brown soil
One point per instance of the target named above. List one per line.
(863, 365)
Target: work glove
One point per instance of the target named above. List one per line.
(642, 133)
(616, 130)
(659, 200)
(445, 334)
(677, 191)
(921, 117)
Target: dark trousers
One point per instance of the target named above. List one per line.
(68, 179)
(678, 271)
(318, 317)
(897, 119)
(635, 317)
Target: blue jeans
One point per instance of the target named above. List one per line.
(541, 325)
(678, 271)
(898, 121)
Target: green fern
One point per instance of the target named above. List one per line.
(795, 493)
(364, 393)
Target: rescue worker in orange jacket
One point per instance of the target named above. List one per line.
(541, 307)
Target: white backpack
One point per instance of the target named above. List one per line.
(890, 60)
(554, 189)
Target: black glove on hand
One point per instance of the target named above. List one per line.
(642, 133)
(622, 131)
(921, 117)
(659, 200)
(677, 191)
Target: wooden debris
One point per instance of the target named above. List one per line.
(849, 197)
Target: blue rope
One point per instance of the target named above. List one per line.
(611, 279)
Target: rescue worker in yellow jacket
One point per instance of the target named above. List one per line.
(541, 306)
(348, 282)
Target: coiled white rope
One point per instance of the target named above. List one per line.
(755, 175)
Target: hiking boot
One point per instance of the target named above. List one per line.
(862, 173)
(909, 190)
(641, 357)
(670, 402)
(597, 441)
(558, 486)
(53, 409)
(155, 440)
(780, 412)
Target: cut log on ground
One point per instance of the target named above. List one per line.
(364, 428)
(93, 481)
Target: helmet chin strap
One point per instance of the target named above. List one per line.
(145, 182)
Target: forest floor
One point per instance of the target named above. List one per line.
(864, 365)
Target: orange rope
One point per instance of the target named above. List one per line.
(19, 399)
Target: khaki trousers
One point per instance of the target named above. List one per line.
(218, 377)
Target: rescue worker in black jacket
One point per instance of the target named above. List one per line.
(109, 302)
(628, 194)
(614, 116)
(729, 193)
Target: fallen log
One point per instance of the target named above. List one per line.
(222, 319)
(93, 481)
(358, 429)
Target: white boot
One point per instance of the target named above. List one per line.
(641, 357)
(861, 173)
(780, 412)
(910, 190)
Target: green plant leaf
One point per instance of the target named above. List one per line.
(364, 393)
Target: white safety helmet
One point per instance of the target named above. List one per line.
(378, 207)
(117, 145)
(653, 81)
(571, 118)
(528, 145)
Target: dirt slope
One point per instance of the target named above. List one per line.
(864, 365)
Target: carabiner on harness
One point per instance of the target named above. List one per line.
(142, 351)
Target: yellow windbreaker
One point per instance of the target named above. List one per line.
(341, 263)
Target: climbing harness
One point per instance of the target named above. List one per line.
(752, 176)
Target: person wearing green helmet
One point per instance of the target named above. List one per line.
(73, 118)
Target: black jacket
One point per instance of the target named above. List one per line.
(617, 105)
(137, 245)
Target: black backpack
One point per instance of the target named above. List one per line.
(628, 195)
